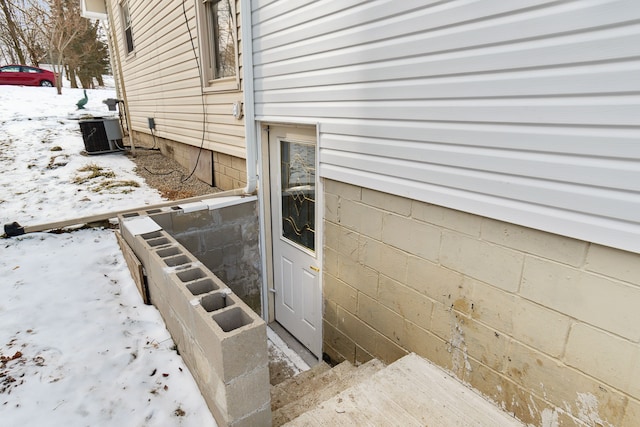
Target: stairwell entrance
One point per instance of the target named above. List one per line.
(295, 221)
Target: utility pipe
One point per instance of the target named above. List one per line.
(253, 144)
(250, 128)
(119, 75)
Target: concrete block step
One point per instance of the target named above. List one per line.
(324, 387)
(308, 384)
(289, 390)
(410, 392)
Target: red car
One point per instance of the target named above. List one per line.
(26, 76)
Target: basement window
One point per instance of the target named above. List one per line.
(126, 26)
(219, 37)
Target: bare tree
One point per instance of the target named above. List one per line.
(32, 20)
(10, 36)
(21, 37)
(63, 25)
(52, 31)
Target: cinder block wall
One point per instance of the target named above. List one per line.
(221, 340)
(229, 172)
(226, 241)
(546, 326)
(222, 170)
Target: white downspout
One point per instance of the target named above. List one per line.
(118, 75)
(252, 141)
(250, 128)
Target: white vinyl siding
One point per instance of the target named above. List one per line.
(162, 81)
(523, 111)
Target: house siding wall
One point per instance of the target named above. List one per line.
(522, 111)
(545, 325)
(162, 81)
(480, 164)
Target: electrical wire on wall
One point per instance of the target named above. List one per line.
(204, 109)
(202, 102)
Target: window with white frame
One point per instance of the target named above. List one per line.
(219, 43)
(126, 26)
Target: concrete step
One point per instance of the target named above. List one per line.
(323, 387)
(410, 392)
(289, 390)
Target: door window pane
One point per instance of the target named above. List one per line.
(298, 172)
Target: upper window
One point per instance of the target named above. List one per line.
(219, 34)
(126, 26)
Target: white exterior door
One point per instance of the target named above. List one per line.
(294, 221)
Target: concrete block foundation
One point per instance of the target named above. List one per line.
(546, 326)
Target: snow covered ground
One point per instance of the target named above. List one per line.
(77, 346)
(44, 178)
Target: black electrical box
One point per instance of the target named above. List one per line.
(101, 135)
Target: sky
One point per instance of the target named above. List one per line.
(77, 345)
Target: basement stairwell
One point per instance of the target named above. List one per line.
(211, 325)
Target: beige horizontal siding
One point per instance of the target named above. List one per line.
(162, 79)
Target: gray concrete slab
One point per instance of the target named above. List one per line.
(411, 391)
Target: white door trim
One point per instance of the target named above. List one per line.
(266, 178)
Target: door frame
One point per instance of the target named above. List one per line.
(265, 177)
